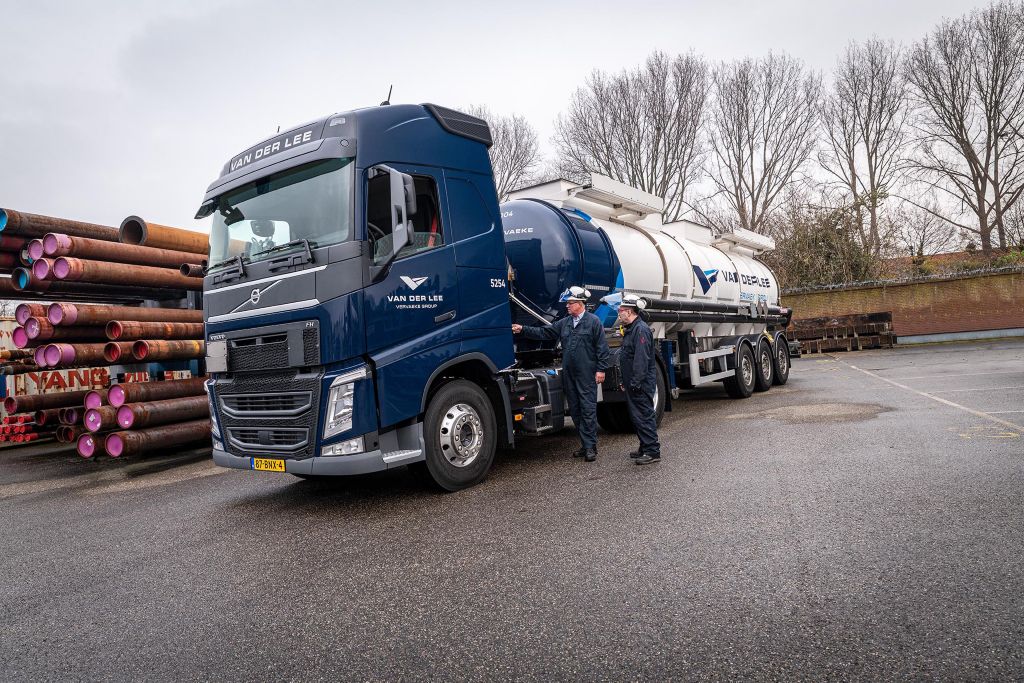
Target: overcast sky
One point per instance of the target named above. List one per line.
(117, 108)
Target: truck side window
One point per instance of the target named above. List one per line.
(426, 222)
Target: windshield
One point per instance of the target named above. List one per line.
(311, 202)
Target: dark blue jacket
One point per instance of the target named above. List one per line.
(584, 347)
(636, 357)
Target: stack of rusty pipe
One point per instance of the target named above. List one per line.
(25, 428)
(76, 279)
(133, 418)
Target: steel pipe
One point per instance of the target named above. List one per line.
(9, 261)
(154, 349)
(100, 272)
(193, 269)
(128, 329)
(119, 444)
(153, 413)
(101, 419)
(48, 416)
(38, 355)
(134, 392)
(33, 225)
(22, 279)
(15, 354)
(25, 311)
(94, 399)
(13, 243)
(19, 337)
(134, 230)
(85, 314)
(30, 404)
(115, 352)
(89, 445)
(41, 329)
(56, 244)
(66, 355)
(69, 415)
(17, 368)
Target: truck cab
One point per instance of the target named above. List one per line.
(356, 303)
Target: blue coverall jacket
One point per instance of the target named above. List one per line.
(584, 354)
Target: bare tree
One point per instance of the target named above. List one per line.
(920, 232)
(515, 154)
(763, 129)
(863, 119)
(968, 79)
(642, 127)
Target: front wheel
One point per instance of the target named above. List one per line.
(460, 435)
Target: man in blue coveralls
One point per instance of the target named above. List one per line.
(585, 358)
(638, 368)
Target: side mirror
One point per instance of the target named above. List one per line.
(402, 200)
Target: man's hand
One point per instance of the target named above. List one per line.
(516, 329)
(599, 377)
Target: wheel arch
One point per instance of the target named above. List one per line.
(477, 368)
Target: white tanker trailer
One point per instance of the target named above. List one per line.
(712, 306)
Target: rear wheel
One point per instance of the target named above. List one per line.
(765, 367)
(741, 384)
(460, 435)
(781, 356)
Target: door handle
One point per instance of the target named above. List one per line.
(444, 317)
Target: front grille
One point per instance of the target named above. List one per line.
(267, 405)
(279, 439)
(311, 346)
(244, 402)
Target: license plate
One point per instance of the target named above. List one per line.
(268, 464)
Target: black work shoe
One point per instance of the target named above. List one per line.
(590, 455)
(647, 459)
(633, 455)
(579, 453)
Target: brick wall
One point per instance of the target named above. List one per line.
(962, 304)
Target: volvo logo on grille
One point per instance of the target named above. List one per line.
(254, 297)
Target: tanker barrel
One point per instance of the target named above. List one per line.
(101, 419)
(48, 416)
(130, 329)
(22, 279)
(153, 413)
(32, 225)
(89, 314)
(193, 269)
(62, 355)
(25, 311)
(134, 230)
(29, 404)
(135, 442)
(89, 445)
(100, 272)
(118, 352)
(56, 244)
(134, 392)
(155, 349)
(41, 329)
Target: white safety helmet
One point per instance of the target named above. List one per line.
(633, 301)
(575, 294)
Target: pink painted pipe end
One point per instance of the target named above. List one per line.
(115, 396)
(114, 445)
(93, 400)
(125, 417)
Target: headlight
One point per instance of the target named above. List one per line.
(341, 402)
(214, 425)
(344, 448)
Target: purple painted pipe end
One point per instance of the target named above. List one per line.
(20, 337)
(93, 420)
(87, 445)
(115, 395)
(55, 242)
(32, 328)
(22, 313)
(114, 445)
(60, 354)
(39, 356)
(35, 249)
(93, 400)
(61, 268)
(41, 269)
(125, 418)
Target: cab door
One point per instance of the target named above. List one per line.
(412, 315)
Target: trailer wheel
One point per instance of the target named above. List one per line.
(765, 367)
(782, 363)
(741, 384)
(460, 435)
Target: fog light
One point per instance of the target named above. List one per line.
(349, 447)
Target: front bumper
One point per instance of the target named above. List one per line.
(332, 466)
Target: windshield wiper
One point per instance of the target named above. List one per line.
(295, 259)
(228, 269)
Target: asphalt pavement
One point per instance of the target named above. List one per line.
(865, 521)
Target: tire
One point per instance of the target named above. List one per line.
(460, 435)
(765, 367)
(614, 417)
(782, 361)
(741, 384)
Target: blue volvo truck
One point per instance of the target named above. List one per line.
(361, 289)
